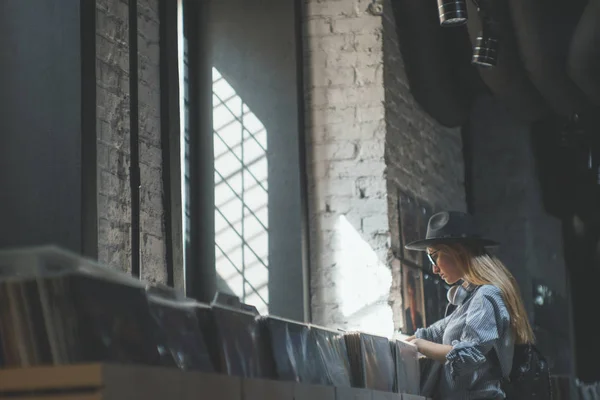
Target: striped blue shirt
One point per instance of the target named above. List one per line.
(479, 324)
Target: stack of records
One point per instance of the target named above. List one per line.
(327, 358)
(430, 373)
(180, 339)
(589, 391)
(42, 260)
(563, 387)
(371, 361)
(235, 342)
(288, 342)
(408, 375)
(56, 308)
(22, 325)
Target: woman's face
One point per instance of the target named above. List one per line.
(445, 266)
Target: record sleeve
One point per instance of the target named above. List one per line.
(180, 338)
(410, 227)
(371, 361)
(328, 358)
(288, 342)
(237, 345)
(407, 372)
(413, 299)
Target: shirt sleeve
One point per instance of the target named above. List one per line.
(486, 322)
(433, 333)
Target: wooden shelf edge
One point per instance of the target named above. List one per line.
(97, 396)
(117, 382)
(51, 377)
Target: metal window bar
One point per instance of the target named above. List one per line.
(242, 199)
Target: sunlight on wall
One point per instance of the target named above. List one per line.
(362, 282)
(241, 196)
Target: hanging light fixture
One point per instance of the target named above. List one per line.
(452, 12)
(485, 50)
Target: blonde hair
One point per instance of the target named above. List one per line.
(481, 268)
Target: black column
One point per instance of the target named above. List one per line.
(200, 255)
(171, 140)
(46, 168)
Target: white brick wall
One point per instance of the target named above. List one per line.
(346, 130)
(112, 113)
(152, 224)
(367, 139)
(112, 101)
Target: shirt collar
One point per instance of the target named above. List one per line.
(470, 287)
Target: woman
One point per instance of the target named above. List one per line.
(475, 343)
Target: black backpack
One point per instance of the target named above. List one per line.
(529, 376)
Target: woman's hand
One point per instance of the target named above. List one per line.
(414, 340)
(429, 349)
(417, 342)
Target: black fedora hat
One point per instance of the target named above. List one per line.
(451, 227)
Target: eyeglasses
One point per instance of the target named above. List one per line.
(433, 257)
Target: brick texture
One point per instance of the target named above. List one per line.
(367, 138)
(348, 208)
(507, 200)
(152, 223)
(423, 158)
(113, 132)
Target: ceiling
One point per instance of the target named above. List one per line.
(548, 61)
(547, 73)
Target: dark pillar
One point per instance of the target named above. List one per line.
(45, 175)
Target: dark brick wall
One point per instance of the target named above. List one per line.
(508, 204)
(423, 158)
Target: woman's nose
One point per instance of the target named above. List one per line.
(436, 269)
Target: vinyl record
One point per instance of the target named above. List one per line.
(410, 227)
(328, 351)
(432, 299)
(408, 374)
(240, 348)
(413, 299)
(425, 212)
(180, 333)
(288, 343)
